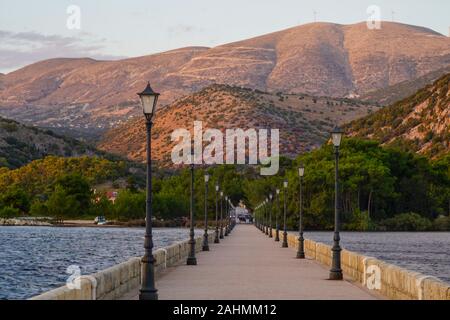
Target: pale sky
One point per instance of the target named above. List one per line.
(110, 29)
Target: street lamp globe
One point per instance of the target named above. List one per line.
(149, 99)
(278, 191)
(206, 177)
(270, 196)
(285, 184)
(336, 136)
(301, 170)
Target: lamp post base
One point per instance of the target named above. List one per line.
(300, 255)
(191, 261)
(285, 243)
(336, 275)
(277, 235)
(148, 295)
(301, 247)
(205, 246)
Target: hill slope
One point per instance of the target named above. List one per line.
(402, 90)
(322, 59)
(420, 123)
(20, 144)
(304, 121)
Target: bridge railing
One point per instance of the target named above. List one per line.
(386, 279)
(115, 282)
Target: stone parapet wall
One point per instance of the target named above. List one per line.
(120, 279)
(386, 279)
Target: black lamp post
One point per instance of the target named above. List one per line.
(270, 215)
(221, 215)
(205, 246)
(301, 240)
(267, 215)
(285, 243)
(263, 218)
(149, 99)
(192, 260)
(231, 219)
(277, 223)
(227, 226)
(336, 271)
(216, 237)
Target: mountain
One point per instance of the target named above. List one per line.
(20, 144)
(420, 123)
(304, 121)
(402, 90)
(321, 59)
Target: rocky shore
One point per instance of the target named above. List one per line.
(22, 222)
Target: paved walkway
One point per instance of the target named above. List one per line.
(247, 265)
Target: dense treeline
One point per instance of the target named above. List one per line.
(381, 189)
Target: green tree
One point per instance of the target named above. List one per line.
(9, 212)
(16, 197)
(61, 205)
(129, 205)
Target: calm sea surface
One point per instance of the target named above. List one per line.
(425, 252)
(35, 259)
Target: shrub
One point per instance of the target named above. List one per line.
(9, 212)
(407, 222)
(38, 209)
(441, 223)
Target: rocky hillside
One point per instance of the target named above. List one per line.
(321, 59)
(304, 121)
(20, 144)
(402, 90)
(420, 123)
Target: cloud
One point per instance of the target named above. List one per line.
(18, 49)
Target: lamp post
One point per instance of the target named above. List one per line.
(149, 99)
(301, 240)
(267, 216)
(231, 220)
(285, 243)
(221, 215)
(270, 216)
(227, 226)
(263, 213)
(192, 260)
(205, 246)
(277, 223)
(216, 236)
(336, 271)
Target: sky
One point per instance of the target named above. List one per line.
(31, 31)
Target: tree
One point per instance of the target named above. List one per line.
(61, 205)
(102, 206)
(16, 197)
(8, 212)
(129, 205)
(78, 188)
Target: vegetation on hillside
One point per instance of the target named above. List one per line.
(20, 144)
(420, 123)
